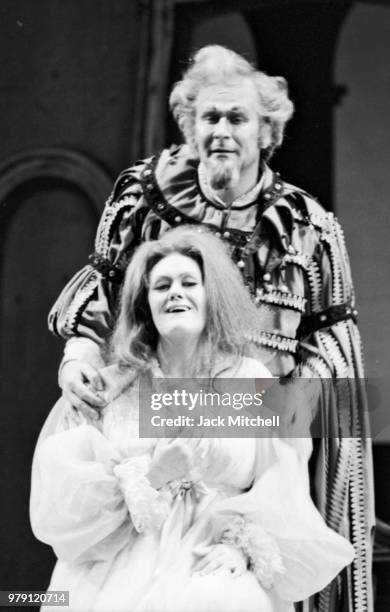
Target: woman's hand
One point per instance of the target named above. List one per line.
(220, 558)
(81, 383)
(171, 461)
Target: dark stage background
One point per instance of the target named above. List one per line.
(84, 87)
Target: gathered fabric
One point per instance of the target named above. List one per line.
(122, 545)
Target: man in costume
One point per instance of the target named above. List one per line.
(291, 254)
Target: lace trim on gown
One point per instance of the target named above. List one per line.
(148, 507)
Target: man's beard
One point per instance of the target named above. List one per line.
(222, 174)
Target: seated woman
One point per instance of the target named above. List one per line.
(196, 524)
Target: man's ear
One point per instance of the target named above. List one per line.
(265, 134)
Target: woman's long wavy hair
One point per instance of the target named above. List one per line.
(230, 313)
(215, 64)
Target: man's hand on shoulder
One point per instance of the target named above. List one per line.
(81, 384)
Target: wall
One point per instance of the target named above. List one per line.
(362, 187)
(67, 80)
(67, 76)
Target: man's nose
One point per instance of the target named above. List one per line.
(222, 128)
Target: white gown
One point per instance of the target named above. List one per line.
(123, 546)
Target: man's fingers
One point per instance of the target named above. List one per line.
(87, 395)
(84, 408)
(92, 378)
(76, 377)
(87, 371)
(96, 382)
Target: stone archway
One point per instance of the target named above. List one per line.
(50, 201)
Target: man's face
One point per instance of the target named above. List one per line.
(228, 132)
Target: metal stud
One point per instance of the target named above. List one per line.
(178, 219)
(226, 234)
(241, 263)
(323, 317)
(149, 186)
(160, 206)
(267, 277)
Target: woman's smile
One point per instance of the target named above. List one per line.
(177, 308)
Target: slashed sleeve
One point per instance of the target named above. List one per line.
(305, 290)
(87, 304)
(307, 305)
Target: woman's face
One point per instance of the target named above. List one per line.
(177, 297)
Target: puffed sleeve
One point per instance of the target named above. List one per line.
(290, 548)
(87, 500)
(87, 304)
(76, 504)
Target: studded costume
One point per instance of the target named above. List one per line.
(294, 262)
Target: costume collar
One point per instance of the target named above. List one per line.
(171, 188)
(181, 180)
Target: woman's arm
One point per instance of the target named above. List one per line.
(76, 503)
(277, 526)
(87, 499)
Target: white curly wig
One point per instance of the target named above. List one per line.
(213, 65)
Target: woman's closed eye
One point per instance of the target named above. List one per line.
(162, 287)
(165, 286)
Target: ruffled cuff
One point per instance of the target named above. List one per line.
(148, 507)
(262, 551)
